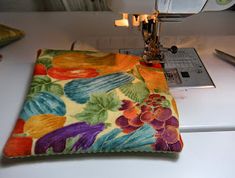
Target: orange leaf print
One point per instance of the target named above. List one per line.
(154, 79)
(39, 125)
(105, 63)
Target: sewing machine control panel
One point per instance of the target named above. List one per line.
(183, 69)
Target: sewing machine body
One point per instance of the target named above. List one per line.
(183, 70)
(183, 67)
(168, 6)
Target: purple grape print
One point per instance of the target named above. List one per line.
(156, 112)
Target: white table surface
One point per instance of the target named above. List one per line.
(206, 154)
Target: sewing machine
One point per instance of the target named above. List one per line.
(183, 67)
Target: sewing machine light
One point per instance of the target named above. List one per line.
(135, 20)
(122, 22)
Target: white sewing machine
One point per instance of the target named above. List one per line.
(183, 67)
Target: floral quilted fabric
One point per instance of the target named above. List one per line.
(86, 102)
(8, 35)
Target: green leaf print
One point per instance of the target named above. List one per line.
(135, 91)
(44, 83)
(96, 109)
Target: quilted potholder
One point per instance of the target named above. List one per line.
(88, 102)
